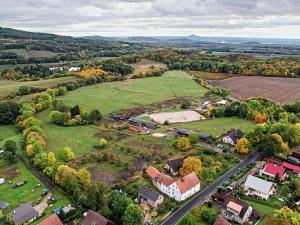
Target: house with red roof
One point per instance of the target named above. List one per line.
(178, 190)
(52, 220)
(271, 170)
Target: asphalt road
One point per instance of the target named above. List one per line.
(204, 194)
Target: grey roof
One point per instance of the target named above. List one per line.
(235, 135)
(23, 213)
(148, 193)
(203, 136)
(182, 131)
(145, 123)
(175, 164)
(258, 184)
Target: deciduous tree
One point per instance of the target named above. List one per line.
(191, 164)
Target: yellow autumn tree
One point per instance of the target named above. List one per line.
(283, 145)
(191, 164)
(183, 144)
(242, 146)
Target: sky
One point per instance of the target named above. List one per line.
(235, 18)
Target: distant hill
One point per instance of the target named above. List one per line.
(143, 39)
(19, 34)
(98, 38)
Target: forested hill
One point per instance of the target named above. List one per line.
(19, 34)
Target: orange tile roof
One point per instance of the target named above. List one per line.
(165, 179)
(51, 220)
(187, 182)
(221, 221)
(236, 207)
(152, 172)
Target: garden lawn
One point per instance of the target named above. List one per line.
(218, 126)
(114, 96)
(80, 138)
(267, 208)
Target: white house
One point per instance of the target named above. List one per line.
(74, 69)
(232, 136)
(255, 186)
(2, 181)
(178, 190)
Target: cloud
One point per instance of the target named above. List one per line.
(279, 18)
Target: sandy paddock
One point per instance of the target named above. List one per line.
(177, 117)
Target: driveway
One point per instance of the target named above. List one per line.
(40, 208)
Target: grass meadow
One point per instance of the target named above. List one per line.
(218, 126)
(114, 96)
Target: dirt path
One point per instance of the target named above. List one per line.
(40, 208)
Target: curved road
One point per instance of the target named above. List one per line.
(204, 194)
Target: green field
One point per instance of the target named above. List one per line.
(80, 138)
(218, 126)
(109, 97)
(10, 86)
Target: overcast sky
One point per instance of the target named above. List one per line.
(246, 18)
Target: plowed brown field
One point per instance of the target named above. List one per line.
(281, 90)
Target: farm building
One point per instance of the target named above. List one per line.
(232, 136)
(203, 137)
(52, 220)
(142, 123)
(93, 218)
(74, 69)
(149, 196)
(173, 165)
(183, 132)
(232, 208)
(255, 186)
(23, 214)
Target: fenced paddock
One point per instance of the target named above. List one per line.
(176, 117)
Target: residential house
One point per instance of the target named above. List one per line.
(152, 172)
(294, 157)
(186, 186)
(272, 170)
(142, 123)
(51, 220)
(173, 165)
(232, 136)
(121, 116)
(232, 208)
(23, 214)
(258, 187)
(93, 218)
(183, 132)
(152, 198)
(2, 180)
(221, 221)
(178, 190)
